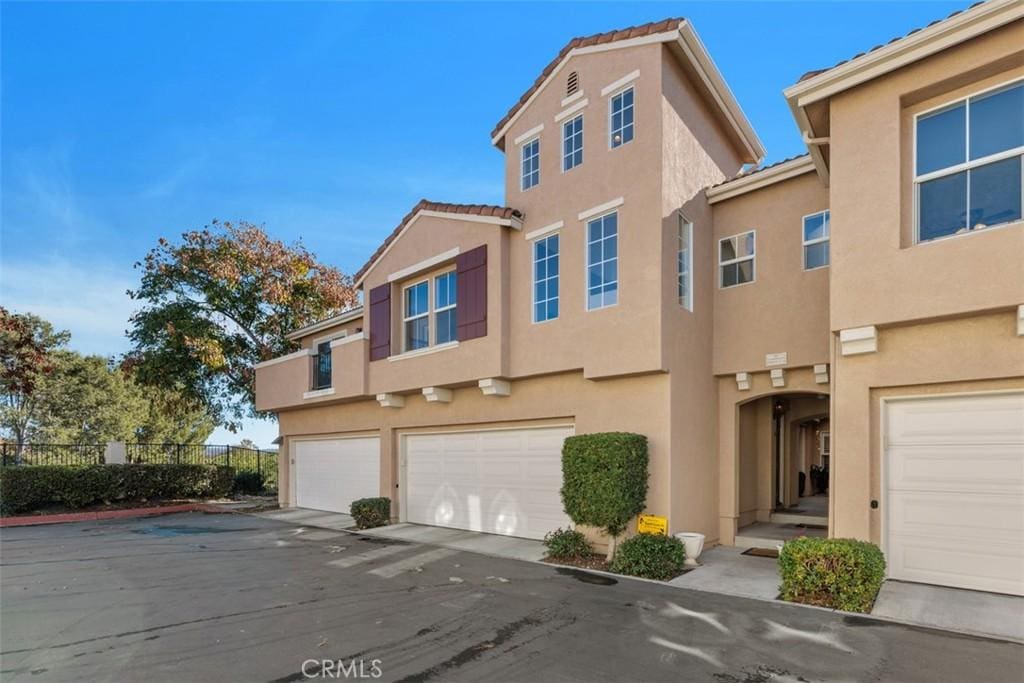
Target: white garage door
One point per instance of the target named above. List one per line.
(499, 482)
(955, 480)
(331, 473)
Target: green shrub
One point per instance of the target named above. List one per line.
(604, 480)
(841, 573)
(650, 556)
(566, 544)
(248, 483)
(29, 487)
(371, 512)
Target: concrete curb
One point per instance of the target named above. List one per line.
(65, 518)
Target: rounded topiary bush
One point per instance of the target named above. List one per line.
(650, 556)
(566, 544)
(841, 573)
(371, 512)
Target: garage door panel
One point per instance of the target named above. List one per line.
(955, 491)
(501, 481)
(331, 473)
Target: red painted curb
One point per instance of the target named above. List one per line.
(108, 514)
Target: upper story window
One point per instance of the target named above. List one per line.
(444, 308)
(322, 366)
(530, 164)
(603, 261)
(816, 236)
(684, 264)
(572, 143)
(736, 259)
(545, 279)
(416, 316)
(967, 166)
(621, 110)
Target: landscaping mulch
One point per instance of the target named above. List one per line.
(594, 561)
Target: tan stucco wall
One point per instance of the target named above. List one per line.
(351, 327)
(637, 404)
(878, 275)
(975, 353)
(785, 309)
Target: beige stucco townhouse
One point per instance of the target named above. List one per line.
(828, 345)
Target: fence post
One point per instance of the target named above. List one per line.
(229, 456)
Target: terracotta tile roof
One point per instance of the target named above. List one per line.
(741, 176)
(427, 205)
(584, 41)
(816, 72)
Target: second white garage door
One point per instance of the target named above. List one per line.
(955, 484)
(331, 473)
(499, 482)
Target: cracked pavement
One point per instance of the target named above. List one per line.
(198, 597)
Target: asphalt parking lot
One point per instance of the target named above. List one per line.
(200, 597)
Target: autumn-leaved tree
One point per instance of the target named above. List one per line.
(218, 302)
(27, 347)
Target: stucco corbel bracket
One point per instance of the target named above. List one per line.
(821, 373)
(778, 377)
(391, 401)
(437, 394)
(856, 340)
(1020, 320)
(743, 381)
(495, 387)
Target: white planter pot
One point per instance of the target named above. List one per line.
(694, 543)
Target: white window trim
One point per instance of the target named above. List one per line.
(568, 113)
(582, 135)
(427, 350)
(544, 232)
(958, 168)
(426, 314)
(529, 135)
(586, 263)
(687, 225)
(752, 258)
(621, 83)
(522, 164)
(611, 132)
(533, 277)
(434, 311)
(809, 243)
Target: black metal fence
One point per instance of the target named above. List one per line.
(239, 457)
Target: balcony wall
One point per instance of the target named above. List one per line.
(281, 382)
(349, 358)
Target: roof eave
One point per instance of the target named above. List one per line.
(340, 319)
(755, 181)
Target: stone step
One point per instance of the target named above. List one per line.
(791, 518)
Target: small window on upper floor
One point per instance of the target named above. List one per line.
(621, 112)
(572, 84)
(967, 166)
(684, 263)
(545, 278)
(603, 261)
(444, 308)
(816, 237)
(572, 143)
(322, 366)
(736, 259)
(530, 164)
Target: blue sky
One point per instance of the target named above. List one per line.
(123, 122)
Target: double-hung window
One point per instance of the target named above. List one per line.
(603, 261)
(684, 264)
(444, 308)
(621, 109)
(530, 164)
(545, 279)
(322, 366)
(416, 318)
(816, 235)
(736, 259)
(572, 143)
(967, 165)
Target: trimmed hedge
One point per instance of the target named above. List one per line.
(371, 512)
(27, 488)
(651, 556)
(604, 479)
(841, 573)
(248, 483)
(566, 544)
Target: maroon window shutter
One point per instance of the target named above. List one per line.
(471, 293)
(380, 322)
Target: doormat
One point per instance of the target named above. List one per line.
(761, 552)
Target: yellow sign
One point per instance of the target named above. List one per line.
(652, 524)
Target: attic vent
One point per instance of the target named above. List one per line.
(573, 84)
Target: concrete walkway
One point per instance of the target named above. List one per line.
(952, 609)
(456, 539)
(325, 520)
(724, 569)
